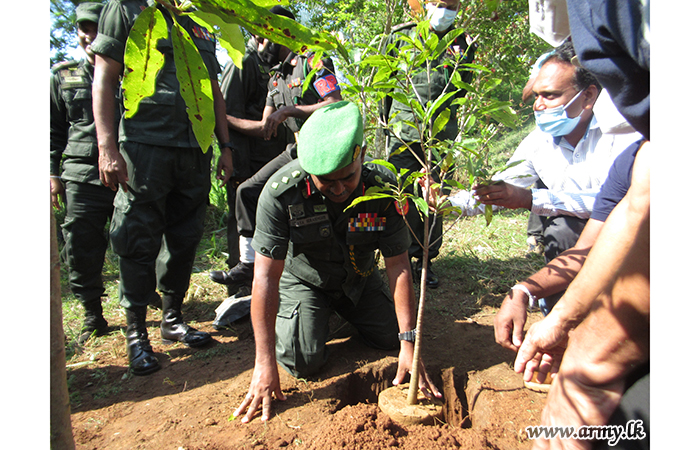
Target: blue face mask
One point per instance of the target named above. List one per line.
(554, 121)
(440, 18)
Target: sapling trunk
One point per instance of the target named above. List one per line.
(415, 367)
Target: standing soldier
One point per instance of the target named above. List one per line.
(441, 15)
(164, 178)
(88, 202)
(245, 92)
(287, 106)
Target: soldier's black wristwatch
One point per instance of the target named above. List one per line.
(409, 336)
(226, 144)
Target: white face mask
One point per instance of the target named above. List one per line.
(440, 18)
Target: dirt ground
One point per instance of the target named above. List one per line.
(188, 404)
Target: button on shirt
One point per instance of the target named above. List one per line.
(573, 175)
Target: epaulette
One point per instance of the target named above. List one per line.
(377, 175)
(283, 180)
(64, 65)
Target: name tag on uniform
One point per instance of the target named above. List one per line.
(367, 222)
(308, 221)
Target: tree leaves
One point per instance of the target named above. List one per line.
(261, 22)
(230, 35)
(142, 60)
(195, 86)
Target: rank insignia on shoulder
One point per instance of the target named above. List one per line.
(367, 222)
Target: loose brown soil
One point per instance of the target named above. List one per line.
(188, 403)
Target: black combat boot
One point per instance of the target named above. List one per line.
(142, 360)
(240, 275)
(174, 329)
(432, 280)
(94, 324)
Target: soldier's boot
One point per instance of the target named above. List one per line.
(142, 360)
(174, 329)
(155, 301)
(432, 280)
(93, 324)
(240, 275)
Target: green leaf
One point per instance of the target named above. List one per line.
(441, 121)
(366, 198)
(421, 204)
(434, 106)
(400, 97)
(142, 61)
(488, 214)
(195, 86)
(447, 39)
(230, 36)
(267, 4)
(386, 164)
(279, 29)
(492, 5)
(490, 84)
(454, 184)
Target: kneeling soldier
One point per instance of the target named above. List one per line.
(313, 257)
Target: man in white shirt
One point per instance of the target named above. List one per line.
(567, 157)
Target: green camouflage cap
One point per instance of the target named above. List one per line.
(88, 11)
(331, 138)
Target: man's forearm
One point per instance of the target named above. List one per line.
(253, 128)
(558, 274)
(623, 236)
(304, 111)
(221, 125)
(401, 288)
(263, 307)
(104, 102)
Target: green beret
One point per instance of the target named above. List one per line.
(331, 138)
(88, 11)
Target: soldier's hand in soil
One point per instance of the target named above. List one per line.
(405, 363)
(264, 384)
(509, 323)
